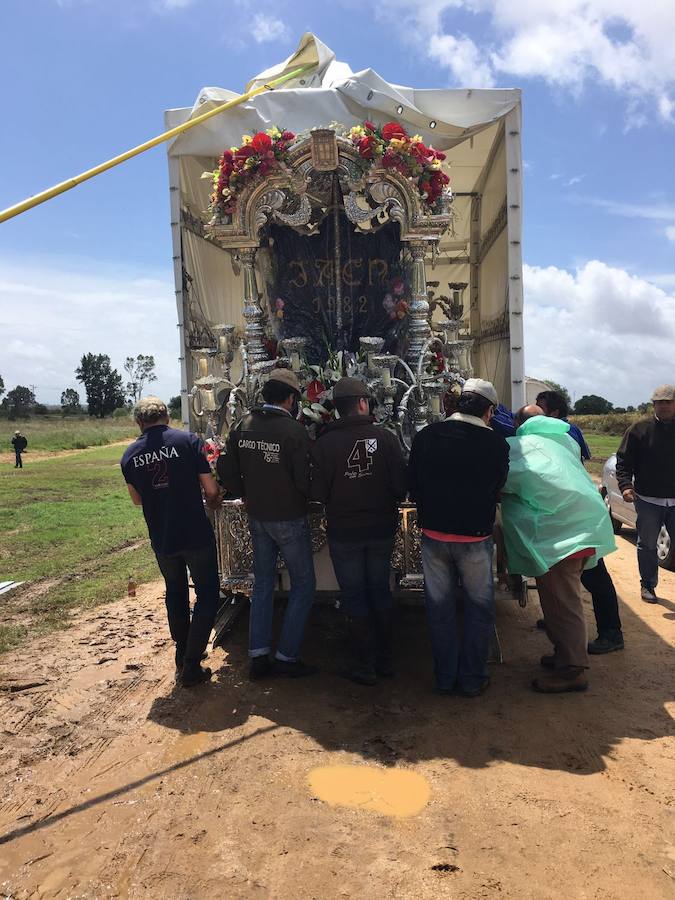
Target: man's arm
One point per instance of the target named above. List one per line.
(135, 496)
(211, 490)
(625, 465)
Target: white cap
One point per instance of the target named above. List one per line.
(484, 388)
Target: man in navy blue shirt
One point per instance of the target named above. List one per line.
(166, 471)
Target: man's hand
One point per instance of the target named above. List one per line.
(213, 502)
(628, 495)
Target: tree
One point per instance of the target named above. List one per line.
(70, 402)
(592, 405)
(560, 390)
(102, 384)
(20, 402)
(140, 370)
(175, 407)
(2, 386)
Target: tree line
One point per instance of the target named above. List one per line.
(105, 388)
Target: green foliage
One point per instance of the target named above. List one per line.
(70, 402)
(102, 383)
(140, 370)
(40, 409)
(612, 423)
(2, 386)
(124, 412)
(592, 405)
(74, 433)
(174, 407)
(19, 402)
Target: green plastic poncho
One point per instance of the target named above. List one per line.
(550, 506)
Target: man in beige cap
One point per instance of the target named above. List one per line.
(19, 443)
(457, 469)
(267, 463)
(359, 472)
(645, 470)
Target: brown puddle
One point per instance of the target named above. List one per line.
(394, 792)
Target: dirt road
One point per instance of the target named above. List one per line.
(117, 784)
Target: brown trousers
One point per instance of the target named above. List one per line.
(560, 596)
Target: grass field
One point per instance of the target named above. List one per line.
(66, 432)
(68, 518)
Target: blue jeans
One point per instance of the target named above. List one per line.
(191, 636)
(446, 564)
(292, 540)
(650, 520)
(363, 569)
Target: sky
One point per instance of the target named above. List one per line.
(91, 271)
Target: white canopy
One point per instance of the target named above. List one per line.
(479, 129)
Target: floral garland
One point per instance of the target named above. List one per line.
(392, 148)
(260, 154)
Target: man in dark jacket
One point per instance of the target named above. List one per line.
(166, 471)
(359, 472)
(19, 442)
(645, 470)
(267, 463)
(457, 469)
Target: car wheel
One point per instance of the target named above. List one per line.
(616, 525)
(665, 550)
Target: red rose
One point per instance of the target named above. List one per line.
(366, 146)
(389, 160)
(315, 389)
(393, 130)
(261, 142)
(244, 152)
(439, 155)
(228, 157)
(287, 136)
(369, 125)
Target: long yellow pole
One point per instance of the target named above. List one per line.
(64, 186)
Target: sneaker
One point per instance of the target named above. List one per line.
(606, 643)
(180, 658)
(648, 595)
(541, 624)
(260, 667)
(476, 691)
(547, 661)
(295, 669)
(361, 675)
(191, 677)
(561, 681)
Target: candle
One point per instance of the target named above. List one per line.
(295, 361)
(386, 377)
(203, 367)
(435, 404)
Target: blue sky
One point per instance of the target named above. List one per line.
(81, 80)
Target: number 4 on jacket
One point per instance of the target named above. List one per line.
(360, 459)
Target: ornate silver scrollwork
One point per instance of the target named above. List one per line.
(301, 216)
(357, 214)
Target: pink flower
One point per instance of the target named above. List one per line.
(398, 286)
(279, 303)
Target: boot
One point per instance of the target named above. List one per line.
(383, 622)
(561, 681)
(362, 667)
(606, 642)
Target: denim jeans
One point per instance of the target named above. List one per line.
(191, 637)
(650, 520)
(598, 582)
(363, 569)
(292, 540)
(446, 564)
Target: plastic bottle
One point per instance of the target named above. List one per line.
(131, 587)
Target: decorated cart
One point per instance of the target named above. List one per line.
(345, 226)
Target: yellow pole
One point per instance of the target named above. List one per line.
(64, 186)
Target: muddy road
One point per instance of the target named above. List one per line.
(114, 783)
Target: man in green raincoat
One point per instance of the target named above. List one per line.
(555, 526)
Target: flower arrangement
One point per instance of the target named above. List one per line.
(259, 154)
(392, 148)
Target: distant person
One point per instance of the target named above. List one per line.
(166, 472)
(555, 523)
(267, 463)
(645, 470)
(457, 468)
(597, 581)
(359, 472)
(19, 442)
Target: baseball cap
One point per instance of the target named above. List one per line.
(17, 431)
(350, 387)
(484, 388)
(664, 392)
(287, 377)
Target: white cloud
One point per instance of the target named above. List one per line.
(624, 45)
(660, 212)
(670, 233)
(268, 28)
(53, 314)
(575, 179)
(599, 330)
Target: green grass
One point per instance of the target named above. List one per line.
(66, 432)
(65, 517)
(601, 446)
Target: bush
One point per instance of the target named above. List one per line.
(122, 413)
(612, 423)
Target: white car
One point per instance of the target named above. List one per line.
(622, 513)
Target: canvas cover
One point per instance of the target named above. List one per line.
(551, 508)
(478, 129)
